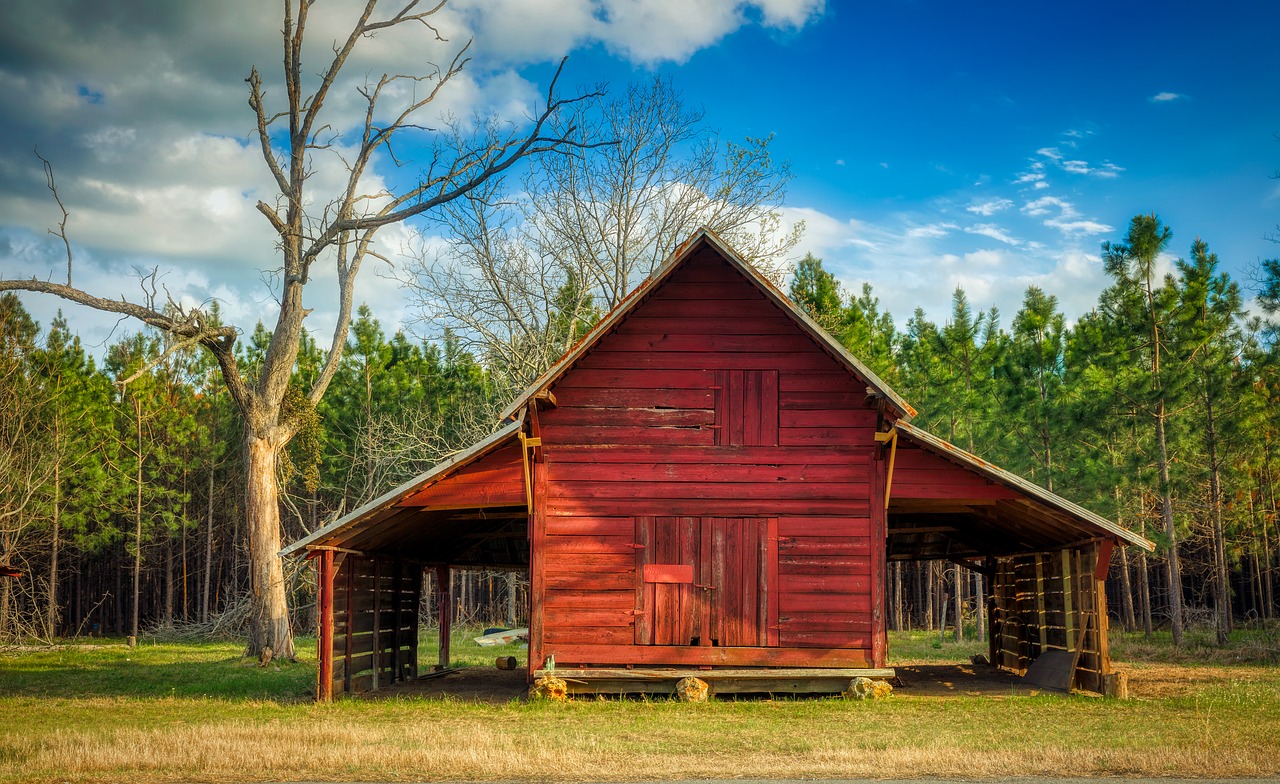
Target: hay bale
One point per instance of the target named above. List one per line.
(549, 688)
(861, 688)
(692, 690)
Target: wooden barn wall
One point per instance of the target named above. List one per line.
(375, 622)
(708, 404)
(1051, 601)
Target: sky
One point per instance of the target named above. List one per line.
(988, 145)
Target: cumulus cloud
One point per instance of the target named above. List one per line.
(141, 108)
(1166, 97)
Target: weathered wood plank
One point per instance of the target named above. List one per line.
(628, 417)
(617, 434)
(797, 473)
(597, 655)
(694, 360)
(742, 491)
(589, 526)
(703, 507)
(839, 454)
(590, 600)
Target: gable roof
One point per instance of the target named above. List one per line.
(706, 237)
(993, 472)
(388, 503)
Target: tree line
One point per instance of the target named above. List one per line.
(1157, 409)
(123, 500)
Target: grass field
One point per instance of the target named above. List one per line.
(198, 711)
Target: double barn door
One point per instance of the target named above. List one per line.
(706, 581)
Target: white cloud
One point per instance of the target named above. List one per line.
(1041, 206)
(989, 208)
(1166, 97)
(994, 232)
(932, 230)
(1063, 216)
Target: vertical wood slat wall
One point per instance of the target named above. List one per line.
(1041, 602)
(375, 622)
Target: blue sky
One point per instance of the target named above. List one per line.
(989, 145)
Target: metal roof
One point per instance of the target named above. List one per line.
(686, 250)
(1015, 482)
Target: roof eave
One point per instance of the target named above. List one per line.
(1015, 482)
(390, 498)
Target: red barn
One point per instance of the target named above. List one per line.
(710, 483)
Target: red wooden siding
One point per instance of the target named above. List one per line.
(727, 600)
(921, 474)
(494, 480)
(740, 445)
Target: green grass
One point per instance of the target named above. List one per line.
(164, 712)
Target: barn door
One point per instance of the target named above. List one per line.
(706, 581)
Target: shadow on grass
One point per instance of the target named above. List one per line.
(109, 668)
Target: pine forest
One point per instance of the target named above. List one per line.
(121, 468)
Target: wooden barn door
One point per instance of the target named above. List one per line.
(706, 581)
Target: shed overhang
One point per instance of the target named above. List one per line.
(1004, 515)
(469, 510)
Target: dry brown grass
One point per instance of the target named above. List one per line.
(1218, 721)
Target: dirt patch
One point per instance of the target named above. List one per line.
(1153, 680)
(959, 680)
(1146, 681)
(470, 684)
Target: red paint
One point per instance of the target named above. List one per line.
(667, 573)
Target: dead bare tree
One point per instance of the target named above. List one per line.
(522, 276)
(339, 228)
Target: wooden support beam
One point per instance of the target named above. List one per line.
(1104, 559)
(348, 635)
(1068, 589)
(324, 680)
(443, 589)
(377, 623)
(1040, 609)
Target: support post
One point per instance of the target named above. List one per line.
(324, 682)
(446, 614)
(993, 645)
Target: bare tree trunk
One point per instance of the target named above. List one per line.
(959, 578)
(1144, 577)
(208, 536)
(269, 626)
(1221, 575)
(51, 613)
(1126, 592)
(1126, 598)
(930, 581)
(1174, 573)
(897, 597)
(137, 530)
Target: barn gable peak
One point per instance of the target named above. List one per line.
(704, 238)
